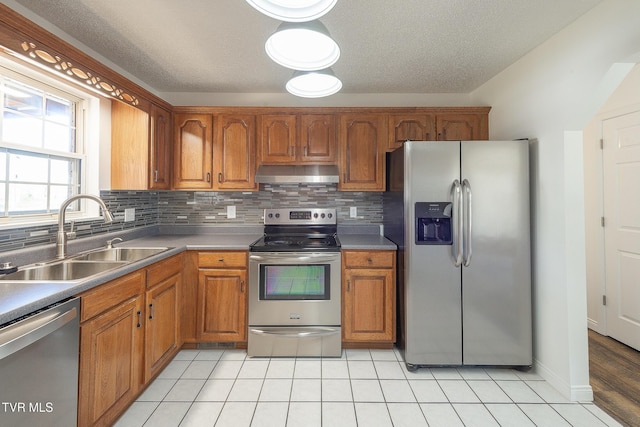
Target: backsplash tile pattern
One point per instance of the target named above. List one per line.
(145, 204)
(187, 207)
(204, 208)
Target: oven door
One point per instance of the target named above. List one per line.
(294, 289)
(294, 305)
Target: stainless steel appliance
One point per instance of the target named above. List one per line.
(459, 213)
(39, 368)
(294, 285)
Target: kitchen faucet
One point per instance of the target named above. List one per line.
(61, 241)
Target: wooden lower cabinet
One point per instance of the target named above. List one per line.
(368, 298)
(162, 316)
(111, 351)
(129, 331)
(222, 297)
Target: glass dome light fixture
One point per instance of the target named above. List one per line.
(305, 46)
(293, 10)
(314, 84)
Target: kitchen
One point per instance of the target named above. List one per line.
(544, 102)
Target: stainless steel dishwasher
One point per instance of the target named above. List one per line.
(39, 368)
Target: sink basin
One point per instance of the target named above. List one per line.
(63, 271)
(119, 254)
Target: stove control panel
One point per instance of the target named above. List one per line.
(301, 216)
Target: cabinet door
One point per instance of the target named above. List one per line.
(414, 127)
(317, 138)
(111, 356)
(368, 298)
(160, 149)
(362, 144)
(222, 305)
(278, 138)
(235, 152)
(193, 156)
(129, 147)
(459, 127)
(163, 324)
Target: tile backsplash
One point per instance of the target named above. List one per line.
(204, 208)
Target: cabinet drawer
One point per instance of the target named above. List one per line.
(159, 271)
(111, 294)
(368, 259)
(222, 259)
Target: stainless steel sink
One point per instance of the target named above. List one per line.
(81, 266)
(119, 254)
(65, 271)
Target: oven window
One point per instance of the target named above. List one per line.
(294, 282)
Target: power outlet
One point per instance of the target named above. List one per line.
(231, 212)
(129, 214)
(353, 212)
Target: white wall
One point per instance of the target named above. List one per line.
(626, 98)
(550, 95)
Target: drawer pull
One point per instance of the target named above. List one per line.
(139, 313)
(348, 285)
(151, 311)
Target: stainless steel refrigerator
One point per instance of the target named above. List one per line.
(459, 213)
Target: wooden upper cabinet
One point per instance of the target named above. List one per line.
(278, 138)
(414, 127)
(129, 147)
(193, 151)
(462, 127)
(235, 152)
(160, 149)
(362, 147)
(297, 139)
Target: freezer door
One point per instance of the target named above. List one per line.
(496, 281)
(432, 292)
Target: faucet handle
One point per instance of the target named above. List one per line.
(110, 242)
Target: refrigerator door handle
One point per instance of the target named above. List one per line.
(456, 246)
(467, 249)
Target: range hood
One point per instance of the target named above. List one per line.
(304, 174)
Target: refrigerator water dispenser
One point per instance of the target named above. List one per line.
(433, 223)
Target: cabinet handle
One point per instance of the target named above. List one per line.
(155, 175)
(306, 150)
(369, 260)
(219, 176)
(139, 313)
(348, 285)
(221, 260)
(242, 286)
(208, 176)
(439, 137)
(428, 136)
(151, 311)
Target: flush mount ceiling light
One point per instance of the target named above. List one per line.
(303, 46)
(314, 84)
(293, 10)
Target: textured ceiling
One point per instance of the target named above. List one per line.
(402, 46)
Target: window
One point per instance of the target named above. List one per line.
(41, 148)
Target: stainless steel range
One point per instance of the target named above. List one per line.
(294, 285)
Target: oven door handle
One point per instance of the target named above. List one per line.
(315, 332)
(311, 258)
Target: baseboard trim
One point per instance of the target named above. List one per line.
(577, 393)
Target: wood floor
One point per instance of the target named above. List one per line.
(615, 378)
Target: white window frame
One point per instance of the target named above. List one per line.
(87, 130)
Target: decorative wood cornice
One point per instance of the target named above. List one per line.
(25, 39)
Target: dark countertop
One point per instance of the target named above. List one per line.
(19, 299)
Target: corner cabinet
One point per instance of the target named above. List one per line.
(297, 139)
(368, 298)
(221, 312)
(363, 142)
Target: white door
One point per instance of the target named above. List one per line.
(621, 158)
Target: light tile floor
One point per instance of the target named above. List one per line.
(362, 388)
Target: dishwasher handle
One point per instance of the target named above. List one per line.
(16, 337)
